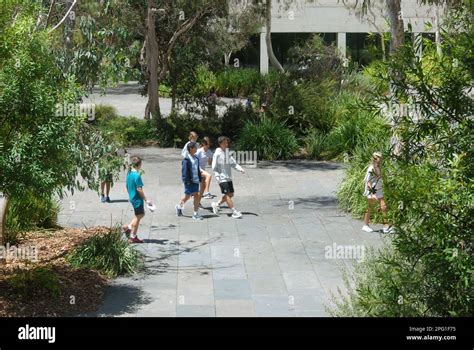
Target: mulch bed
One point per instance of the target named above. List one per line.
(82, 290)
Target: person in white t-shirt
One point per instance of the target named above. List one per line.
(374, 192)
(204, 154)
(222, 164)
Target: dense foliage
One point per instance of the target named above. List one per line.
(44, 145)
(108, 254)
(428, 269)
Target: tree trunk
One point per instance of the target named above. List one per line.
(4, 204)
(174, 94)
(397, 39)
(397, 30)
(69, 25)
(382, 42)
(437, 34)
(152, 107)
(268, 38)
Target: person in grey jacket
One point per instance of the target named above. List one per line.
(222, 164)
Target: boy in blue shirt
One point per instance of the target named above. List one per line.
(191, 175)
(137, 198)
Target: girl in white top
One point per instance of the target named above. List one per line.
(374, 192)
(204, 154)
(193, 136)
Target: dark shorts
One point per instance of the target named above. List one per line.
(108, 178)
(191, 188)
(140, 210)
(227, 187)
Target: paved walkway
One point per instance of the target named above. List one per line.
(269, 263)
(128, 101)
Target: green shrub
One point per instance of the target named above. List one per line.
(129, 131)
(316, 102)
(206, 80)
(105, 112)
(271, 139)
(173, 130)
(383, 290)
(315, 144)
(348, 122)
(27, 283)
(30, 211)
(164, 91)
(108, 254)
(377, 71)
(357, 128)
(234, 120)
(302, 107)
(238, 82)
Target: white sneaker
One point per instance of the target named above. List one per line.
(197, 217)
(366, 228)
(236, 214)
(215, 208)
(389, 229)
(208, 195)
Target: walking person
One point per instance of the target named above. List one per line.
(374, 193)
(204, 154)
(106, 176)
(192, 137)
(212, 103)
(222, 164)
(191, 176)
(137, 198)
(105, 189)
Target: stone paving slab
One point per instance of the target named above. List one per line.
(271, 263)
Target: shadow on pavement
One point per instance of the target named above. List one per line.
(301, 165)
(157, 265)
(312, 202)
(123, 299)
(156, 241)
(119, 201)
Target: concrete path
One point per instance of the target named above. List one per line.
(272, 262)
(128, 101)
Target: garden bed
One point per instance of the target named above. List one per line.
(50, 286)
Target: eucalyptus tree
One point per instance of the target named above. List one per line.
(43, 147)
(166, 21)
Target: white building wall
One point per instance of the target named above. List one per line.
(333, 16)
